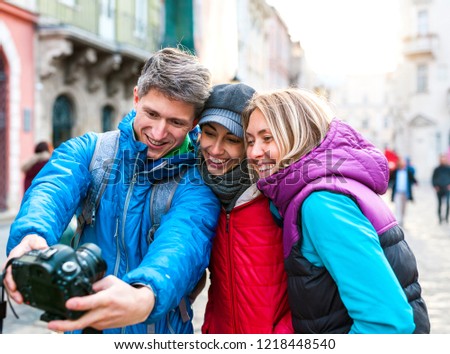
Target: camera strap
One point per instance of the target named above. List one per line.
(2, 307)
(2, 298)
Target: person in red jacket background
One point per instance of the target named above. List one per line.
(248, 290)
(31, 167)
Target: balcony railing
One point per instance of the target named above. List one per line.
(420, 46)
(86, 15)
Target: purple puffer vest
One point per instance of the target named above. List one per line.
(345, 163)
(343, 159)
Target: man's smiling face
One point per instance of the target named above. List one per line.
(161, 123)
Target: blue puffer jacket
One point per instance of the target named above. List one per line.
(179, 253)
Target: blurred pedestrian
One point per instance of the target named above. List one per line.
(441, 183)
(42, 152)
(403, 179)
(410, 165)
(392, 159)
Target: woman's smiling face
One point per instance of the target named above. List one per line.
(221, 149)
(262, 152)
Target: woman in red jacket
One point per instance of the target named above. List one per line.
(248, 291)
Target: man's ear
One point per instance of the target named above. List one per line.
(195, 122)
(135, 96)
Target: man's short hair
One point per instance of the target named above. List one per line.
(177, 74)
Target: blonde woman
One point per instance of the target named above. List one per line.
(349, 267)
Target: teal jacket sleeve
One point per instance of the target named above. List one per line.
(336, 235)
(54, 195)
(180, 252)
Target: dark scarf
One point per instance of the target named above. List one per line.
(230, 186)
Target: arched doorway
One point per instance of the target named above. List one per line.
(62, 120)
(3, 134)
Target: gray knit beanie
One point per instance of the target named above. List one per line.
(225, 106)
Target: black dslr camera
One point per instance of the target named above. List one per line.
(48, 278)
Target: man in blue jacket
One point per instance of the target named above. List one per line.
(147, 275)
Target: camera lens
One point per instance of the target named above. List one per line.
(90, 258)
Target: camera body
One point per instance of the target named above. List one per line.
(48, 278)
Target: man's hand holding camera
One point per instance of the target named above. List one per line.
(114, 304)
(70, 287)
(29, 242)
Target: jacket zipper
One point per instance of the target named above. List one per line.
(124, 216)
(125, 210)
(127, 203)
(116, 238)
(231, 272)
(234, 320)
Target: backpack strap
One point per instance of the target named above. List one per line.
(160, 200)
(101, 165)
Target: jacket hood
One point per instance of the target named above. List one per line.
(343, 154)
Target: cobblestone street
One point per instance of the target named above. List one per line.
(429, 241)
(431, 244)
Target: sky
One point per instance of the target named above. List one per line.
(344, 36)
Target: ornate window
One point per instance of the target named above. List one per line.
(107, 118)
(62, 120)
(422, 78)
(422, 23)
(140, 19)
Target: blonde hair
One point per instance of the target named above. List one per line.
(298, 120)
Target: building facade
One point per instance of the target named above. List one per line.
(17, 99)
(67, 67)
(362, 101)
(421, 85)
(407, 110)
(90, 55)
(80, 59)
(247, 41)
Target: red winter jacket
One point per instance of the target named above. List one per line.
(248, 291)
